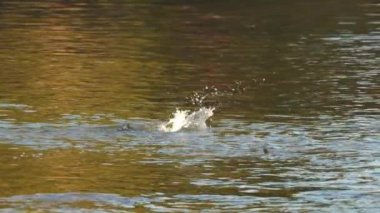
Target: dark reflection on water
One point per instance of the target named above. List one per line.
(296, 126)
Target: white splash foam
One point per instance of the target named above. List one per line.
(186, 119)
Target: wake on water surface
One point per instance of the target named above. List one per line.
(235, 155)
(85, 130)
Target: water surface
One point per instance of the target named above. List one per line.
(84, 88)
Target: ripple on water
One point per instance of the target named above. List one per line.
(69, 202)
(327, 162)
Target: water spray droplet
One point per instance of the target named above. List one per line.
(186, 119)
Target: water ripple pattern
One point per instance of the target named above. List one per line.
(189, 106)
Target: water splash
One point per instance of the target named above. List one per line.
(183, 119)
(214, 96)
(205, 100)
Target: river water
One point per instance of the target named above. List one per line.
(87, 87)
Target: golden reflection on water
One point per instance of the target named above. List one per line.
(73, 170)
(108, 57)
(63, 69)
(127, 173)
(301, 66)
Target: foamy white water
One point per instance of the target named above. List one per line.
(187, 119)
